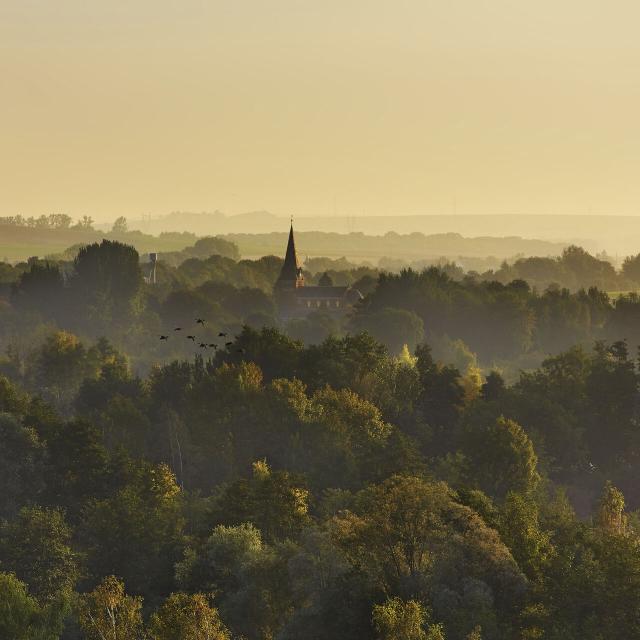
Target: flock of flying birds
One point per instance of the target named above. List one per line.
(204, 345)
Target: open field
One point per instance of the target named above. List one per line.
(20, 243)
(614, 295)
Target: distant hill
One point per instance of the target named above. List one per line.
(20, 243)
(615, 234)
(203, 224)
(407, 247)
(480, 253)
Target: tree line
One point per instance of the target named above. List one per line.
(51, 221)
(471, 321)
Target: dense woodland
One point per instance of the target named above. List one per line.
(457, 458)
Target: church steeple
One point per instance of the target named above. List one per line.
(291, 273)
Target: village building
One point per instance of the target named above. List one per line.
(295, 299)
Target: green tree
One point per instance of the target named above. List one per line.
(611, 516)
(411, 536)
(106, 283)
(41, 288)
(21, 617)
(611, 389)
(275, 354)
(442, 394)
(493, 387)
(399, 620)
(184, 305)
(60, 220)
(392, 327)
(137, 533)
(274, 501)
(341, 362)
(85, 223)
(210, 246)
(12, 400)
(120, 225)
(187, 617)
(475, 634)
(22, 457)
(347, 439)
(314, 328)
(553, 404)
(522, 532)
(78, 468)
(115, 402)
(587, 270)
(251, 578)
(435, 632)
(58, 367)
(108, 613)
(394, 387)
(36, 546)
(631, 268)
(592, 587)
(221, 560)
(500, 458)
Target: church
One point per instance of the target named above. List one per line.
(296, 300)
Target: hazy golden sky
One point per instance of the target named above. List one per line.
(404, 106)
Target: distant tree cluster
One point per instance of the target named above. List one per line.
(51, 221)
(202, 249)
(574, 269)
(500, 323)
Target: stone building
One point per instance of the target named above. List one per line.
(295, 299)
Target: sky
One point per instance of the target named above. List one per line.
(332, 107)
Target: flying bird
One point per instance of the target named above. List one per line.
(178, 329)
(213, 346)
(199, 321)
(222, 335)
(192, 338)
(164, 337)
(228, 344)
(203, 345)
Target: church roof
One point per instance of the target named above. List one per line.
(291, 266)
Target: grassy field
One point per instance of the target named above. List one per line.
(614, 295)
(20, 243)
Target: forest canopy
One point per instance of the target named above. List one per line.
(455, 459)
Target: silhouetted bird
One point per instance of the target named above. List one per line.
(222, 335)
(178, 329)
(228, 344)
(199, 321)
(192, 338)
(203, 345)
(164, 337)
(213, 346)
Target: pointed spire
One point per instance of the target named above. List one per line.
(291, 262)
(291, 269)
